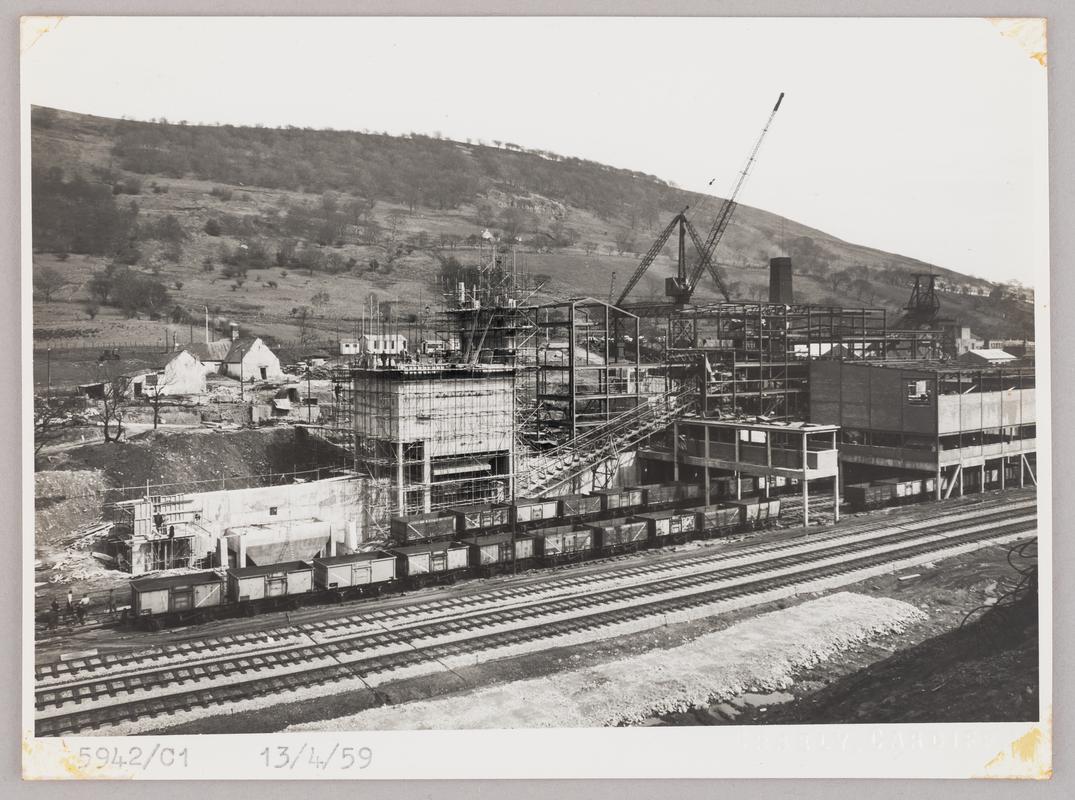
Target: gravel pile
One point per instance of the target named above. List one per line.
(762, 654)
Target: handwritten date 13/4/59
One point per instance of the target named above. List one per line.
(340, 757)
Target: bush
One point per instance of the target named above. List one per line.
(221, 192)
(212, 227)
(165, 229)
(130, 185)
(77, 216)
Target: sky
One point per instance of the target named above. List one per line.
(920, 137)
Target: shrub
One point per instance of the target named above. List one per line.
(212, 227)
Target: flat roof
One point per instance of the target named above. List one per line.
(783, 427)
(352, 558)
(269, 569)
(937, 366)
(174, 581)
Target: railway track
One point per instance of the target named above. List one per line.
(500, 598)
(383, 653)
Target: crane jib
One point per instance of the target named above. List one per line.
(716, 232)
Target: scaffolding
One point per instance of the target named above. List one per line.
(753, 358)
(431, 436)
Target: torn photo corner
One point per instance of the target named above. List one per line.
(524, 416)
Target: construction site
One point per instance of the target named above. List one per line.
(519, 432)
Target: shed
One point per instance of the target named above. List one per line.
(286, 540)
(986, 357)
(251, 360)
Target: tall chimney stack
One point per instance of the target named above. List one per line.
(780, 280)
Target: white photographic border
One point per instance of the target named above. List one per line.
(850, 751)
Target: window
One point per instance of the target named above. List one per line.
(273, 510)
(918, 393)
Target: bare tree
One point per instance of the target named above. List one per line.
(157, 396)
(47, 280)
(51, 416)
(302, 316)
(113, 404)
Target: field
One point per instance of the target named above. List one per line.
(390, 250)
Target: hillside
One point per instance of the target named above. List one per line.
(139, 226)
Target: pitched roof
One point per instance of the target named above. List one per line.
(239, 348)
(989, 355)
(209, 351)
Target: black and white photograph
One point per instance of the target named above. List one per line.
(635, 384)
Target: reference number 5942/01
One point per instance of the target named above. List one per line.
(323, 758)
(134, 756)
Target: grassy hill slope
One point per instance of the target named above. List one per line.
(255, 224)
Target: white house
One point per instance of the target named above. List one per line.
(383, 343)
(184, 374)
(251, 360)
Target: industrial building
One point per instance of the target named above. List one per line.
(970, 428)
(431, 435)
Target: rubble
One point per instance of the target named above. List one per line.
(757, 655)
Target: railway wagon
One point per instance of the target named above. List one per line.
(176, 597)
(671, 524)
(619, 499)
(431, 562)
(496, 552)
(533, 509)
(757, 512)
(864, 496)
(724, 488)
(355, 574)
(272, 584)
(717, 520)
(423, 527)
(579, 505)
(474, 518)
(563, 543)
(618, 535)
(655, 494)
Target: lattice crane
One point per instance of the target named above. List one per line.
(681, 287)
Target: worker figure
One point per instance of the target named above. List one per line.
(112, 602)
(54, 615)
(70, 601)
(80, 614)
